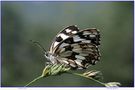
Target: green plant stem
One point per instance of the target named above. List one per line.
(88, 78)
(33, 81)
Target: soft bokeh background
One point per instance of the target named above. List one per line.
(22, 61)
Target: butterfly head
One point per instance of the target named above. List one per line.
(47, 55)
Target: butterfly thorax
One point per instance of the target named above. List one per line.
(50, 57)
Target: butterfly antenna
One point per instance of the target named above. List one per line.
(39, 45)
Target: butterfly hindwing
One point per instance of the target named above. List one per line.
(82, 54)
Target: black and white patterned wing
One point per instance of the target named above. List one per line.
(79, 50)
(62, 35)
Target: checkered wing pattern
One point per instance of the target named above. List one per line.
(77, 49)
(62, 35)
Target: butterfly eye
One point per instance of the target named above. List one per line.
(46, 54)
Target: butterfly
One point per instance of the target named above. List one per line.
(75, 48)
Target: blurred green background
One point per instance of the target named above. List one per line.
(22, 61)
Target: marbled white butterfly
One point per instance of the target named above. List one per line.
(75, 48)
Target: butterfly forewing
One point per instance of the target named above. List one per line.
(62, 35)
(78, 50)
